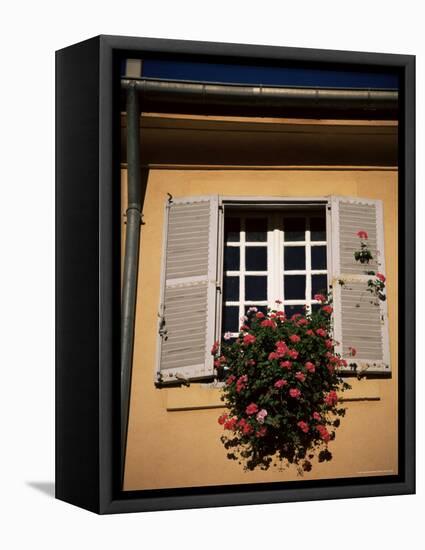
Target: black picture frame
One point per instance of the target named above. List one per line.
(87, 280)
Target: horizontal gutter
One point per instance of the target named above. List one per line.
(284, 101)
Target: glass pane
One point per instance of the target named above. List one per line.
(318, 229)
(294, 287)
(316, 307)
(318, 257)
(231, 258)
(256, 258)
(232, 227)
(294, 258)
(255, 288)
(256, 229)
(294, 229)
(291, 310)
(319, 285)
(231, 289)
(231, 319)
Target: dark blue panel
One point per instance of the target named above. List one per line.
(271, 76)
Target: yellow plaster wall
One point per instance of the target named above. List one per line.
(173, 435)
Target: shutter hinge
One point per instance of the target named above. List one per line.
(170, 198)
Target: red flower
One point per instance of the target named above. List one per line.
(280, 383)
(310, 366)
(230, 379)
(316, 416)
(241, 383)
(320, 297)
(260, 315)
(352, 351)
(302, 322)
(321, 332)
(327, 309)
(244, 327)
(222, 419)
(294, 338)
(295, 393)
(281, 348)
(303, 426)
(324, 434)
(285, 364)
(309, 332)
(230, 424)
(246, 428)
(249, 339)
(362, 234)
(214, 349)
(261, 432)
(381, 277)
(293, 354)
(273, 355)
(331, 399)
(268, 323)
(329, 344)
(251, 409)
(300, 376)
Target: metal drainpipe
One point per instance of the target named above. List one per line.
(131, 258)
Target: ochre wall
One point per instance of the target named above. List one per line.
(173, 436)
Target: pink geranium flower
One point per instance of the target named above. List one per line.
(286, 364)
(251, 409)
(381, 277)
(280, 383)
(303, 426)
(261, 415)
(362, 234)
(310, 366)
(249, 339)
(294, 338)
(295, 393)
(300, 376)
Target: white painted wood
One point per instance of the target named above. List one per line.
(360, 319)
(187, 324)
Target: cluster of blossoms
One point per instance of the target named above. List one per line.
(281, 383)
(363, 255)
(376, 286)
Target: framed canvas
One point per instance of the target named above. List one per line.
(235, 274)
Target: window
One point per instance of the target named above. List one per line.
(273, 255)
(222, 255)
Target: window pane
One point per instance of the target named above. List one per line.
(294, 287)
(315, 307)
(319, 285)
(231, 258)
(232, 227)
(255, 288)
(294, 258)
(318, 257)
(318, 228)
(231, 319)
(294, 229)
(256, 229)
(231, 289)
(256, 258)
(291, 310)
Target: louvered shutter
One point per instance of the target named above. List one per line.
(189, 289)
(360, 318)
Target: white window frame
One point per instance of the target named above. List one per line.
(275, 245)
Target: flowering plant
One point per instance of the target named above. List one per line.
(377, 286)
(281, 382)
(363, 255)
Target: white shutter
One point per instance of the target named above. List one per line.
(360, 318)
(189, 289)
